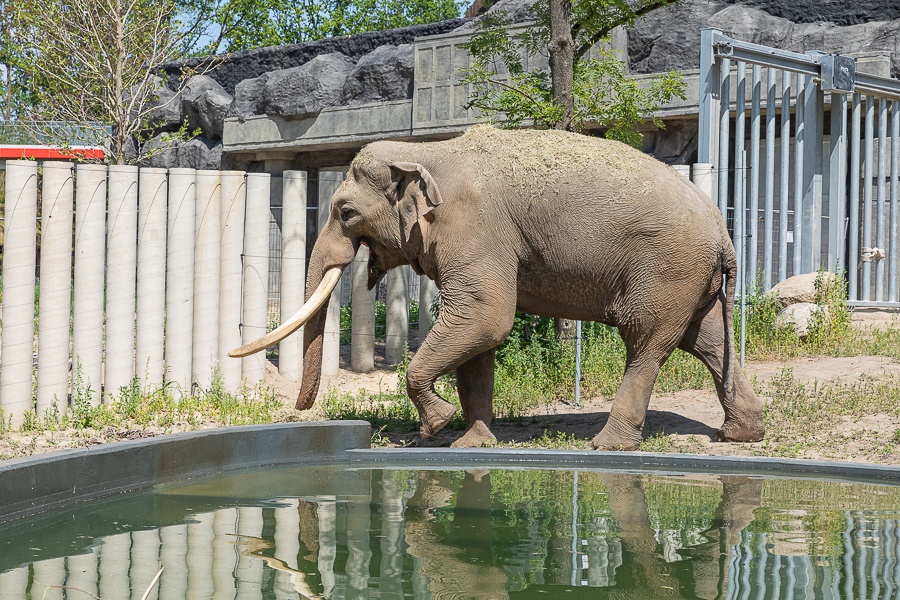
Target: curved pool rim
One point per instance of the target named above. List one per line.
(42, 483)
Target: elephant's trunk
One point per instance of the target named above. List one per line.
(313, 335)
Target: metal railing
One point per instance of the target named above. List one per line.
(820, 191)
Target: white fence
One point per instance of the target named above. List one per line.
(155, 274)
(147, 274)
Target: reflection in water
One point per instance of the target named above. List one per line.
(323, 533)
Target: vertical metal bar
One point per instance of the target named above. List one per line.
(577, 361)
(740, 157)
(709, 98)
(893, 258)
(867, 195)
(740, 231)
(768, 237)
(811, 217)
(785, 174)
(837, 191)
(880, 206)
(724, 137)
(853, 224)
(753, 218)
(799, 149)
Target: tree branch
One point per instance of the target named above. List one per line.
(598, 35)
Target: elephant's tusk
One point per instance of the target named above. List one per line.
(311, 307)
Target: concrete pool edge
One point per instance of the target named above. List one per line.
(40, 483)
(592, 459)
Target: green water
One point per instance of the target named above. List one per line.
(498, 533)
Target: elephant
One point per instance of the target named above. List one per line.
(550, 223)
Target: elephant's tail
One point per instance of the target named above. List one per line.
(729, 270)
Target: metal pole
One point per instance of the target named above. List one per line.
(724, 138)
(577, 363)
(740, 180)
(880, 237)
(752, 225)
(741, 232)
(867, 195)
(894, 257)
(768, 237)
(800, 133)
(785, 174)
(853, 225)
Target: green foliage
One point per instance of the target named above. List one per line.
(658, 442)
(236, 25)
(507, 92)
(380, 320)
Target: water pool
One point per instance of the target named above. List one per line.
(334, 532)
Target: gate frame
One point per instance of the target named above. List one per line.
(832, 73)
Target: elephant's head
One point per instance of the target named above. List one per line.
(378, 205)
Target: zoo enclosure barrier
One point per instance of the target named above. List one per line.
(818, 186)
(153, 275)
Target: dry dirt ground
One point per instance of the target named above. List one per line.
(689, 418)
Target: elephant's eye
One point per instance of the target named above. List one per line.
(347, 213)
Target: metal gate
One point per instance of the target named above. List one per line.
(811, 180)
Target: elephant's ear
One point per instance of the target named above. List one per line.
(418, 194)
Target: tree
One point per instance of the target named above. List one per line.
(578, 90)
(244, 24)
(13, 92)
(91, 62)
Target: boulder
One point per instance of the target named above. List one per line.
(199, 153)
(798, 289)
(164, 107)
(382, 75)
(204, 104)
(159, 152)
(800, 317)
(305, 90)
(248, 97)
(668, 38)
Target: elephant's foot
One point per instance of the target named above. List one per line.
(736, 430)
(434, 415)
(477, 436)
(607, 440)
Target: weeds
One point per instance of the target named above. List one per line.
(658, 442)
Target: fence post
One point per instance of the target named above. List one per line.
(256, 273)
(362, 348)
(708, 134)
(20, 231)
(397, 320)
(206, 277)
(120, 278)
(151, 275)
(180, 277)
(329, 180)
(230, 276)
(56, 286)
(293, 268)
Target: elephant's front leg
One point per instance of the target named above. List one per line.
(470, 326)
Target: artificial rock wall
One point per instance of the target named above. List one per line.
(299, 81)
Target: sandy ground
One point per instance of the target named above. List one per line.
(689, 418)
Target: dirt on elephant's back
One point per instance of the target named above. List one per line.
(534, 157)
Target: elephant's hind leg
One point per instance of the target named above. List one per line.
(475, 382)
(705, 339)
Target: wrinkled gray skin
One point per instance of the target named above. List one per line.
(549, 223)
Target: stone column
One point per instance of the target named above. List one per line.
(362, 350)
(329, 180)
(428, 292)
(397, 324)
(293, 269)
